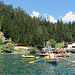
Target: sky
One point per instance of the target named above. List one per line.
(52, 10)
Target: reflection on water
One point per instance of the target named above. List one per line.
(14, 64)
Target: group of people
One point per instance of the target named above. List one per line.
(62, 54)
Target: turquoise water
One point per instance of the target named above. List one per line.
(14, 64)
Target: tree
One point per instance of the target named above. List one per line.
(7, 47)
(53, 42)
(73, 32)
(1, 41)
(22, 28)
(40, 36)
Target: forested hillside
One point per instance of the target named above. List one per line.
(22, 28)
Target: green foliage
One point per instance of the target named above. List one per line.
(9, 40)
(19, 49)
(7, 47)
(22, 28)
(58, 46)
(1, 41)
(53, 42)
(33, 49)
(0, 50)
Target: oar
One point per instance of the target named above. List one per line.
(36, 60)
(73, 61)
(68, 59)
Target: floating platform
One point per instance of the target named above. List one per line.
(43, 54)
(59, 55)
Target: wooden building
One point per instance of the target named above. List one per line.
(20, 44)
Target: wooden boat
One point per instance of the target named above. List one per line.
(52, 60)
(55, 60)
(23, 56)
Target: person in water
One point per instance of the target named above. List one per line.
(66, 54)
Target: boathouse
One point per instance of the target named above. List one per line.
(69, 46)
(20, 45)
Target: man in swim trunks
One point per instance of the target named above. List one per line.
(52, 55)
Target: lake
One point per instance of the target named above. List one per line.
(14, 64)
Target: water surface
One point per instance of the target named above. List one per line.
(14, 64)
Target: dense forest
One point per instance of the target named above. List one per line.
(22, 28)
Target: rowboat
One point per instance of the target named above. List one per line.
(23, 56)
(52, 60)
(50, 57)
(55, 60)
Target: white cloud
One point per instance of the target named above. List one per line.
(51, 19)
(34, 13)
(69, 17)
(45, 14)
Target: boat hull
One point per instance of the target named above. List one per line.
(52, 60)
